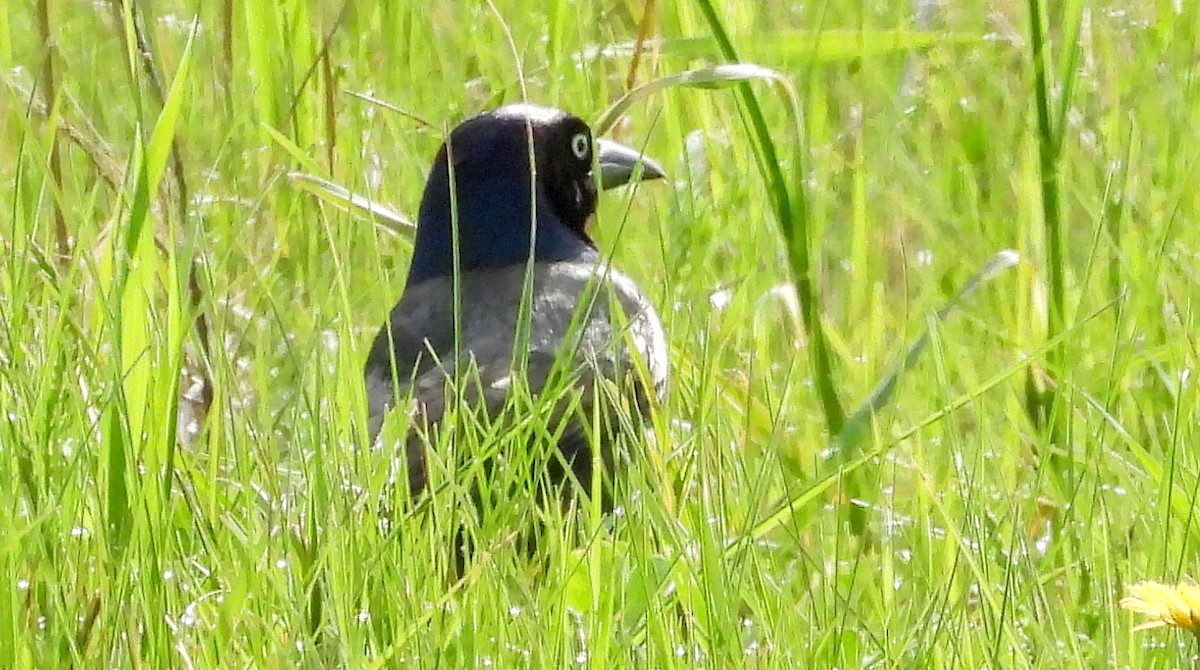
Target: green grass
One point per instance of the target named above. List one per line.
(1040, 456)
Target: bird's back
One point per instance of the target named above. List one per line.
(582, 316)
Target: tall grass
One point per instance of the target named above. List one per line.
(180, 498)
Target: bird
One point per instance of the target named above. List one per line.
(506, 282)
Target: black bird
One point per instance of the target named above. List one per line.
(504, 210)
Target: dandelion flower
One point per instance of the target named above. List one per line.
(1165, 605)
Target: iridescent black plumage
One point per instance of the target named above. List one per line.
(503, 210)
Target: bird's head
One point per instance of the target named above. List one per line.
(523, 179)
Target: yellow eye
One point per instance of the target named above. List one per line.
(579, 145)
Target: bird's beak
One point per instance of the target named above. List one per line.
(620, 165)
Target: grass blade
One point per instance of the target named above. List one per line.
(859, 421)
(791, 212)
(350, 201)
(825, 46)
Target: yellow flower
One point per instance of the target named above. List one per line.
(1177, 605)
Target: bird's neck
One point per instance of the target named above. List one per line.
(498, 221)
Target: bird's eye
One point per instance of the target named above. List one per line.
(579, 145)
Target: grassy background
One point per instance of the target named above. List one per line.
(993, 536)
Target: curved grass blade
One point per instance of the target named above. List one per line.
(859, 421)
(858, 425)
(835, 470)
(719, 76)
(789, 200)
(790, 209)
(824, 46)
(350, 201)
(392, 108)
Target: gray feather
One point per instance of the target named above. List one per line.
(583, 319)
